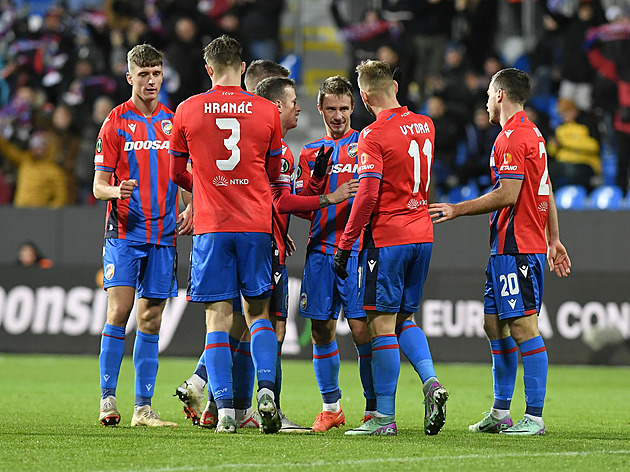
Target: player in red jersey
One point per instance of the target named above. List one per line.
(234, 142)
(131, 173)
(395, 157)
(523, 229)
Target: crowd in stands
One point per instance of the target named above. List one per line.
(62, 69)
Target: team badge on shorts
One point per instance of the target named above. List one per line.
(109, 271)
(167, 126)
(303, 301)
(352, 149)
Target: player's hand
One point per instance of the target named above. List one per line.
(558, 259)
(440, 212)
(341, 262)
(290, 245)
(186, 220)
(344, 191)
(125, 189)
(321, 162)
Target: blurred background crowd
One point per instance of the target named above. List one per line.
(62, 65)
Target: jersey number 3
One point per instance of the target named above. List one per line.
(231, 143)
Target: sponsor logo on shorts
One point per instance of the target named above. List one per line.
(109, 271)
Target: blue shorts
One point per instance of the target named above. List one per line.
(225, 265)
(394, 276)
(514, 285)
(150, 268)
(323, 293)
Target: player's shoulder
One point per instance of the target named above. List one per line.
(315, 145)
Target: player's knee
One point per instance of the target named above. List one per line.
(321, 332)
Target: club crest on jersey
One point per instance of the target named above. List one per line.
(352, 149)
(303, 301)
(99, 145)
(167, 126)
(109, 271)
(284, 166)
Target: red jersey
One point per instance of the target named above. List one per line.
(327, 223)
(231, 137)
(519, 153)
(398, 149)
(131, 146)
(281, 221)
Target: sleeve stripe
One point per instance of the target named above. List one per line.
(104, 168)
(512, 176)
(275, 152)
(371, 174)
(178, 154)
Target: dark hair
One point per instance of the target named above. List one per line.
(514, 83)
(335, 85)
(274, 88)
(222, 53)
(261, 69)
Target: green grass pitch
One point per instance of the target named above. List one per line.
(49, 410)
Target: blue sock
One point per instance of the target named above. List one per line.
(365, 373)
(242, 375)
(535, 365)
(264, 347)
(326, 364)
(385, 371)
(414, 345)
(278, 386)
(504, 366)
(218, 357)
(145, 361)
(200, 370)
(110, 358)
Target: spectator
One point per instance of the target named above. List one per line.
(183, 55)
(84, 168)
(480, 136)
(574, 148)
(40, 181)
(65, 140)
(608, 49)
(29, 256)
(259, 28)
(577, 75)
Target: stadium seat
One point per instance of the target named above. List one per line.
(606, 197)
(462, 192)
(571, 197)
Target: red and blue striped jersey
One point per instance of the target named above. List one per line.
(398, 149)
(519, 153)
(131, 146)
(232, 138)
(327, 223)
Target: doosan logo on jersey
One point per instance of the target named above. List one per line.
(343, 169)
(138, 145)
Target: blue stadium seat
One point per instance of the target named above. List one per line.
(606, 197)
(571, 197)
(463, 192)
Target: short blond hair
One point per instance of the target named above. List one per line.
(375, 77)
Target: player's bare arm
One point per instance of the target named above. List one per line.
(504, 196)
(185, 218)
(557, 256)
(103, 190)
